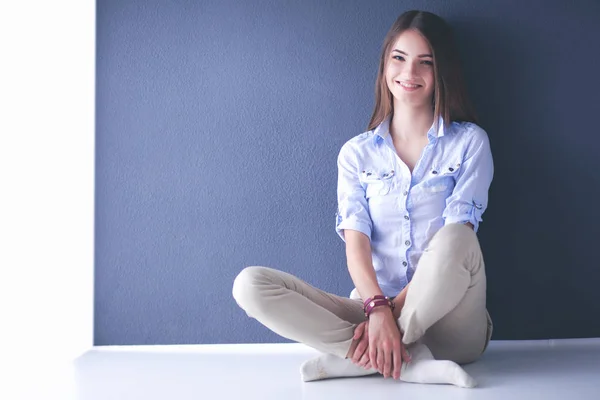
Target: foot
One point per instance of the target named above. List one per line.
(425, 369)
(422, 369)
(328, 366)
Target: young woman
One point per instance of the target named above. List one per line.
(411, 194)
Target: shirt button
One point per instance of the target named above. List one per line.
(406, 217)
(407, 243)
(405, 193)
(404, 263)
(434, 172)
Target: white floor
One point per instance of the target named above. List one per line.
(549, 369)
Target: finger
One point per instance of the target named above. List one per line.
(373, 355)
(387, 367)
(368, 365)
(358, 332)
(397, 363)
(405, 355)
(363, 360)
(363, 345)
(360, 349)
(380, 360)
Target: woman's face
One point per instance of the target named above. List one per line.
(409, 72)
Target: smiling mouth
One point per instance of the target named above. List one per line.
(408, 85)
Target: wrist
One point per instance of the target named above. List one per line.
(376, 302)
(381, 312)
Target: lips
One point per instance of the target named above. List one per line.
(408, 87)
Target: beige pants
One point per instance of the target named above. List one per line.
(445, 304)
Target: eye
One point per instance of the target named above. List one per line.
(430, 63)
(399, 58)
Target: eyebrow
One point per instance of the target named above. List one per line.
(420, 55)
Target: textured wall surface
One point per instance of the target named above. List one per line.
(218, 127)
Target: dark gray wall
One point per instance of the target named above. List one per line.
(218, 127)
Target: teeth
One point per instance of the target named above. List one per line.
(406, 85)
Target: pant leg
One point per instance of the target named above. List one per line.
(446, 301)
(298, 311)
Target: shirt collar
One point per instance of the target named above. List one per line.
(382, 131)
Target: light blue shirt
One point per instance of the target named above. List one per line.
(400, 212)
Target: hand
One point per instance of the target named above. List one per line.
(361, 353)
(386, 350)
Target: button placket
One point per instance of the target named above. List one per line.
(406, 221)
(406, 231)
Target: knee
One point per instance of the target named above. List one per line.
(458, 239)
(457, 233)
(246, 284)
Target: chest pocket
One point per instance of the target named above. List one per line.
(442, 179)
(377, 183)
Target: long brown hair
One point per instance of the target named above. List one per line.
(450, 98)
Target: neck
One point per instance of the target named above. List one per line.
(410, 123)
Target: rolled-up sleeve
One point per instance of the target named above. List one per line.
(469, 199)
(353, 210)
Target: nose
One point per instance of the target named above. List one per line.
(409, 71)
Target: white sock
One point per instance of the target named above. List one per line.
(423, 368)
(330, 366)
